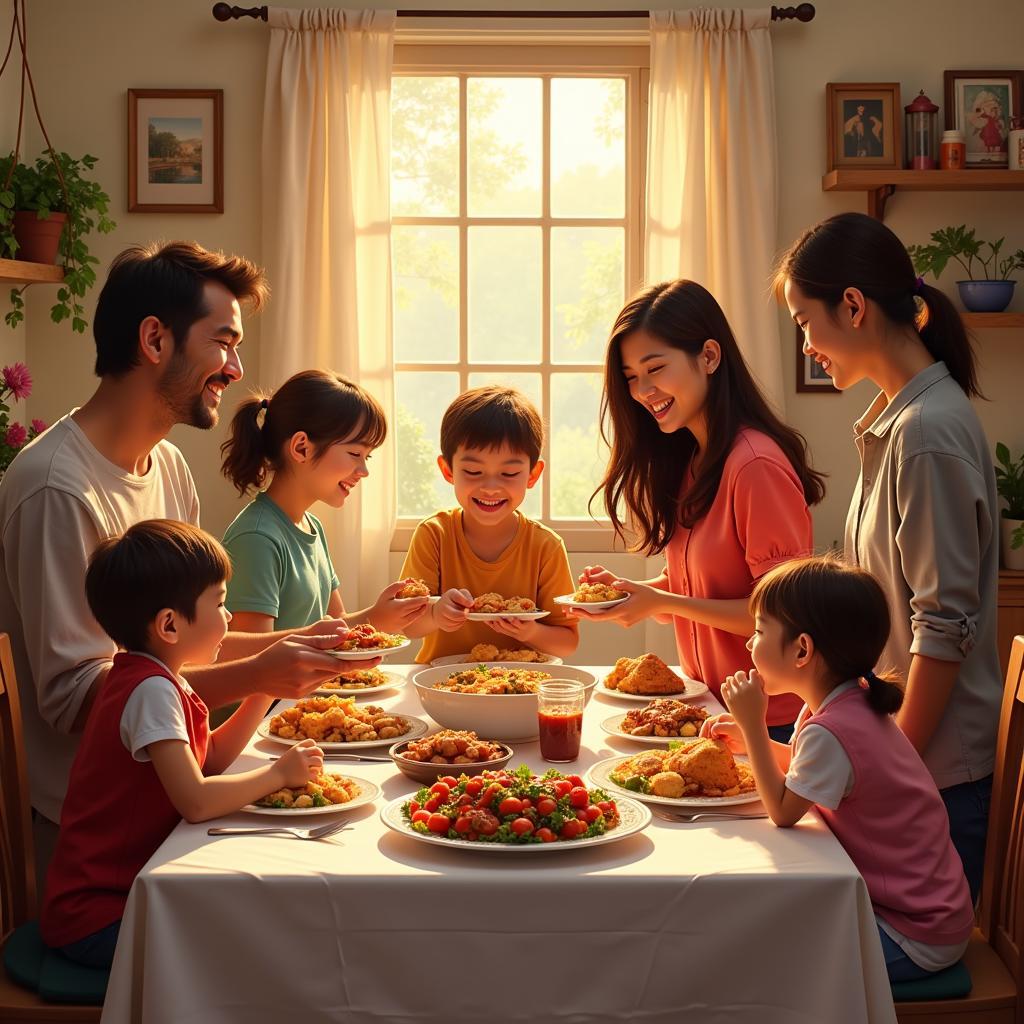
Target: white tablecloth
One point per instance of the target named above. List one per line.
(707, 922)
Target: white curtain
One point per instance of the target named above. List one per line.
(712, 170)
(326, 241)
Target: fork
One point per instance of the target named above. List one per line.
(698, 815)
(318, 832)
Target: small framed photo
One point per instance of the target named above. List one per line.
(980, 104)
(810, 377)
(176, 150)
(864, 121)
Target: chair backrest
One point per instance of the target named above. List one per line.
(17, 863)
(1002, 895)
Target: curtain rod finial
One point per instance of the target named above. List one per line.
(802, 12)
(225, 12)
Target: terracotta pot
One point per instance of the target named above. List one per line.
(1013, 558)
(38, 240)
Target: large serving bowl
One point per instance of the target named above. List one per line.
(505, 716)
(427, 772)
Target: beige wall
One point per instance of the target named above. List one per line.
(94, 52)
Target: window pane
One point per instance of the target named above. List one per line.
(529, 384)
(420, 402)
(504, 295)
(588, 147)
(426, 293)
(424, 147)
(578, 456)
(504, 147)
(586, 291)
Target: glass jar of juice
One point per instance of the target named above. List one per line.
(560, 719)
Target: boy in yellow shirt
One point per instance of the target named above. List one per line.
(491, 439)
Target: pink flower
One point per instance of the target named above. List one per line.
(16, 435)
(18, 379)
(38, 426)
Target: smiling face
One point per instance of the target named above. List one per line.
(199, 641)
(774, 656)
(336, 470)
(834, 342)
(669, 383)
(490, 483)
(206, 362)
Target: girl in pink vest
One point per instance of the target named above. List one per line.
(820, 626)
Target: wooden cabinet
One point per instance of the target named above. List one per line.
(1011, 612)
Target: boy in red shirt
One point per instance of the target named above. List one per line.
(147, 757)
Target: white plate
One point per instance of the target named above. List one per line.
(395, 682)
(365, 653)
(633, 818)
(419, 728)
(433, 599)
(613, 726)
(494, 616)
(600, 775)
(592, 606)
(464, 659)
(368, 792)
(694, 688)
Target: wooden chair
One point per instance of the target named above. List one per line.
(18, 892)
(993, 957)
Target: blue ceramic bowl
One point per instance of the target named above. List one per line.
(985, 296)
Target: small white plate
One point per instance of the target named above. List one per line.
(600, 774)
(417, 728)
(694, 688)
(394, 682)
(465, 659)
(368, 792)
(494, 616)
(365, 653)
(589, 606)
(433, 599)
(613, 727)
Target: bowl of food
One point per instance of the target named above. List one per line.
(448, 752)
(497, 699)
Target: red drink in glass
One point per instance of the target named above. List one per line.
(560, 719)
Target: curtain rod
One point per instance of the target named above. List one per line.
(227, 12)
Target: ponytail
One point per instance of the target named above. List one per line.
(245, 462)
(884, 694)
(853, 250)
(326, 407)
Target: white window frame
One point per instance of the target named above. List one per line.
(545, 62)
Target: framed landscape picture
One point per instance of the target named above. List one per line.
(176, 150)
(980, 104)
(864, 125)
(810, 377)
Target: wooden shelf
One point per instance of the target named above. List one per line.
(984, 321)
(20, 272)
(880, 184)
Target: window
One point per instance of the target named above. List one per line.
(515, 212)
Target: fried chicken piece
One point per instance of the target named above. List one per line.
(589, 592)
(484, 652)
(664, 718)
(649, 674)
(622, 668)
(667, 784)
(708, 763)
(413, 588)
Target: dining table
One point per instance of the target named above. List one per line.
(707, 921)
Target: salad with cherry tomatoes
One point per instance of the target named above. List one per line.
(511, 807)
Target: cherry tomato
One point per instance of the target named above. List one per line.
(439, 823)
(449, 780)
(441, 790)
(579, 797)
(463, 824)
(545, 806)
(504, 781)
(593, 812)
(575, 780)
(510, 805)
(581, 815)
(423, 816)
(433, 803)
(562, 787)
(488, 795)
(522, 826)
(545, 835)
(572, 828)
(465, 800)
(474, 786)
(607, 807)
(414, 806)
(527, 802)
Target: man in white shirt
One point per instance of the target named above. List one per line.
(167, 326)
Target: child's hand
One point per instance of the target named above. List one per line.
(596, 574)
(723, 727)
(744, 696)
(521, 629)
(392, 616)
(451, 611)
(300, 764)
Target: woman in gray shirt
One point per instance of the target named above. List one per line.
(924, 514)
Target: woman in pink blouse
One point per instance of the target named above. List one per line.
(706, 473)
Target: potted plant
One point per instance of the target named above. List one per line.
(66, 206)
(1010, 485)
(989, 292)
